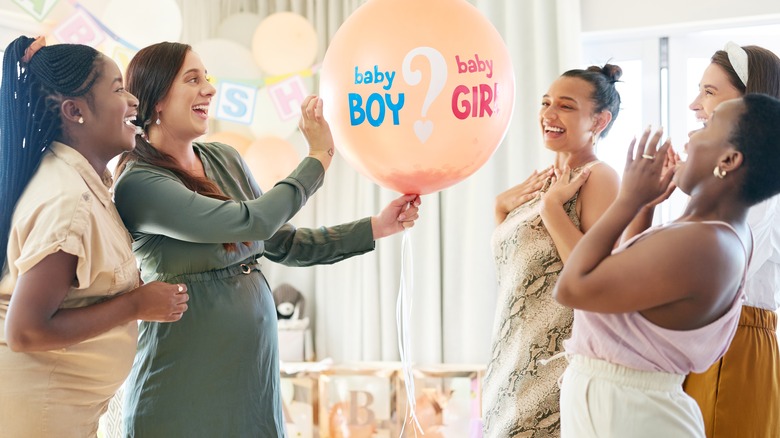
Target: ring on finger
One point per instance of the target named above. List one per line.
(181, 288)
(649, 157)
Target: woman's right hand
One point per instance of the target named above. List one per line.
(160, 302)
(670, 165)
(521, 193)
(316, 130)
(645, 179)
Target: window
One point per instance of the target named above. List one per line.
(638, 87)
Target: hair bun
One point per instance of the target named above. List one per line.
(611, 71)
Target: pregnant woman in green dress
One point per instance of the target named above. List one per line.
(197, 217)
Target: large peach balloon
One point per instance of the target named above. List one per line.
(271, 159)
(419, 94)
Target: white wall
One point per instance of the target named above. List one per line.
(613, 15)
(14, 23)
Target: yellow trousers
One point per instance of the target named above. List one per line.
(739, 395)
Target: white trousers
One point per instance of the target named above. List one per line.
(604, 400)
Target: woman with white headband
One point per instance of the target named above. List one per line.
(740, 394)
(667, 302)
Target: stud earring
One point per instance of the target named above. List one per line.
(718, 172)
(81, 120)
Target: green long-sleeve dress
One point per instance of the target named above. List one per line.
(215, 372)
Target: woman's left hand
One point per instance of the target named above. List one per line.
(645, 179)
(563, 186)
(398, 215)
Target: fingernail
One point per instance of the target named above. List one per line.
(401, 217)
(649, 128)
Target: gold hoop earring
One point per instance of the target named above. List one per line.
(718, 172)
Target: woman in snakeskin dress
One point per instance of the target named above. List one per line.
(539, 222)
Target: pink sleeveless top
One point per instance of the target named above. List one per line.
(630, 340)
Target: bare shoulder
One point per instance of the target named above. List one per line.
(713, 250)
(598, 192)
(602, 175)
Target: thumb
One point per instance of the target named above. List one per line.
(404, 199)
(580, 179)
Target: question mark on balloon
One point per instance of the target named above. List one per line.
(424, 129)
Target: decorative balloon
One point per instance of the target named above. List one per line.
(240, 28)
(266, 120)
(226, 59)
(145, 22)
(239, 142)
(419, 94)
(283, 43)
(271, 159)
(339, 425)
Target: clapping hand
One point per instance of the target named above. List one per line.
(647, 179)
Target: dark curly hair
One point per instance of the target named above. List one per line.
(757, 136)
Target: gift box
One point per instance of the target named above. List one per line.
(295, 344)
(300, 399)
(359, 401)
(448, 401)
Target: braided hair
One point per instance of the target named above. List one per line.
(30, 98)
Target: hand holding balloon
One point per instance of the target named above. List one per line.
(398, 215)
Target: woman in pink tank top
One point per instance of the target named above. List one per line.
(667, 302)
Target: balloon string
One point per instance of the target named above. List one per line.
(403, 311)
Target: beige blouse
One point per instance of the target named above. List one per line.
(67, 207)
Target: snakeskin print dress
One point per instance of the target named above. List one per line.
(520, 395)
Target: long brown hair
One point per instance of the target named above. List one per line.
(149, 77)
(763, 71)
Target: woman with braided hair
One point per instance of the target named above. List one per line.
(69, 295)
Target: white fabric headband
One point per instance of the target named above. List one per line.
(739, 60)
